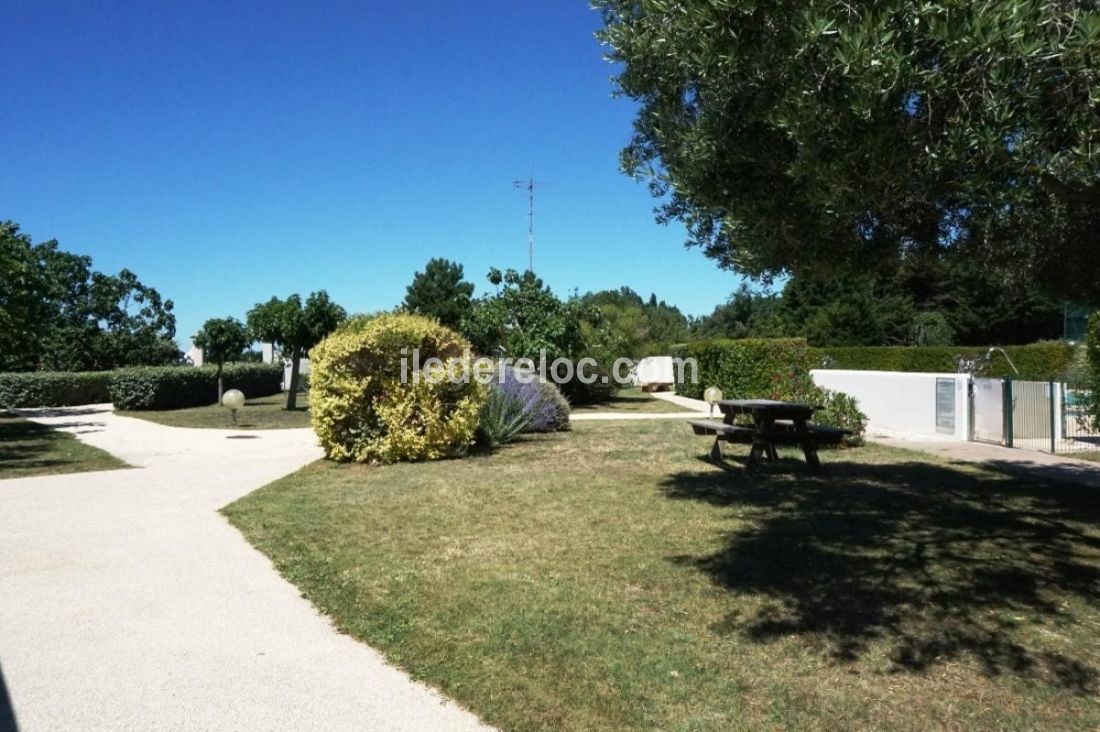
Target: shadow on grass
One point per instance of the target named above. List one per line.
(941, 565)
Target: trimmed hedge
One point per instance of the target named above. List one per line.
(1037, 361)
(745, 368)
(768, 368)
(178, 387)
(54, 389)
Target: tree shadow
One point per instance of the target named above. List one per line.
(7, 711)
(939, 564)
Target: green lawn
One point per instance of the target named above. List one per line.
(265, 413)
(28, 449)
(1094, 456)
(631, 400)
(609, 578)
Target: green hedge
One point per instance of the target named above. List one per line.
(768, 368)
(177, 387)
(747, 368)
(54, 389)
(1037, 361)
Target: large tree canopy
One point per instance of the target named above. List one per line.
(57, 313)
(810, 136)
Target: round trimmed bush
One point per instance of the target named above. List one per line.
(367, 407)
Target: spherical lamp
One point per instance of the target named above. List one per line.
(712, 395)
(233, 400)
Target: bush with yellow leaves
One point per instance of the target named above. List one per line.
(367, 406)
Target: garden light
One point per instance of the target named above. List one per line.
(712, 395)
(233, 400)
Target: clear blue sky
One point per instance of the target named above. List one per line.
(231, 151)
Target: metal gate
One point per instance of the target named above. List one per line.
(1050, 416)
(987, 412)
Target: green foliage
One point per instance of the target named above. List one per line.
(767, 368)
(54, 389)
(816, 136)
(937, 301)
(222, 340)
(440, 292)
(524, 318)
(57, 313)
(503, 418)
(749, 368)
(1037, 361)
(364, 410)
(636, 328)
(552, 395)
(838, 409)
(178, 387)
(295, 329)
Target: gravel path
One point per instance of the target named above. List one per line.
(128, 602)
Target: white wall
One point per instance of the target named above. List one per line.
(900, 404)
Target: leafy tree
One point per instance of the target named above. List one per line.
(295, 329)
(638, 327)
(807, 137)
(524, 318)
(440, 292)
(221, 340)
(931, 301)
(57, 313)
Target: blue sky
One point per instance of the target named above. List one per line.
(231, 151)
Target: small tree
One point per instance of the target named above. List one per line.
(295, 329)
(440, 292)
(221, 340)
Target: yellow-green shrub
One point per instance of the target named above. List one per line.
(362, 411)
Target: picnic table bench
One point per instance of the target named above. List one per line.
(774, 423)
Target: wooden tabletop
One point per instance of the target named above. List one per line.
(766, 408)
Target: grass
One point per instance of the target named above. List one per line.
(1094, 455)
(609, 578)
(265, 413)
(631, 399)
(29, 449)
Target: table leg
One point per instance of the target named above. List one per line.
(716, 451)
(809, 447)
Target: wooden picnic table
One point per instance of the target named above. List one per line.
(773, 423)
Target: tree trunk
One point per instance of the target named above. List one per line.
(221, 386)
(292, 393)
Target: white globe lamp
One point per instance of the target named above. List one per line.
(712, 395)
(233, 400)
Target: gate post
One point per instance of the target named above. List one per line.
(1006, 410)
(1053, 411)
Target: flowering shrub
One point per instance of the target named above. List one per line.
(503, 417)
(364, 410)
(518, 405)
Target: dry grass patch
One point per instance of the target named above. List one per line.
(610, 579)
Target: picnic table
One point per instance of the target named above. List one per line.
(774, 423)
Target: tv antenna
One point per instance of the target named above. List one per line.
(529, 185)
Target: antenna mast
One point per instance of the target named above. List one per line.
(529, 186)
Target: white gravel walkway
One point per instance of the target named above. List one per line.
(127, 602)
